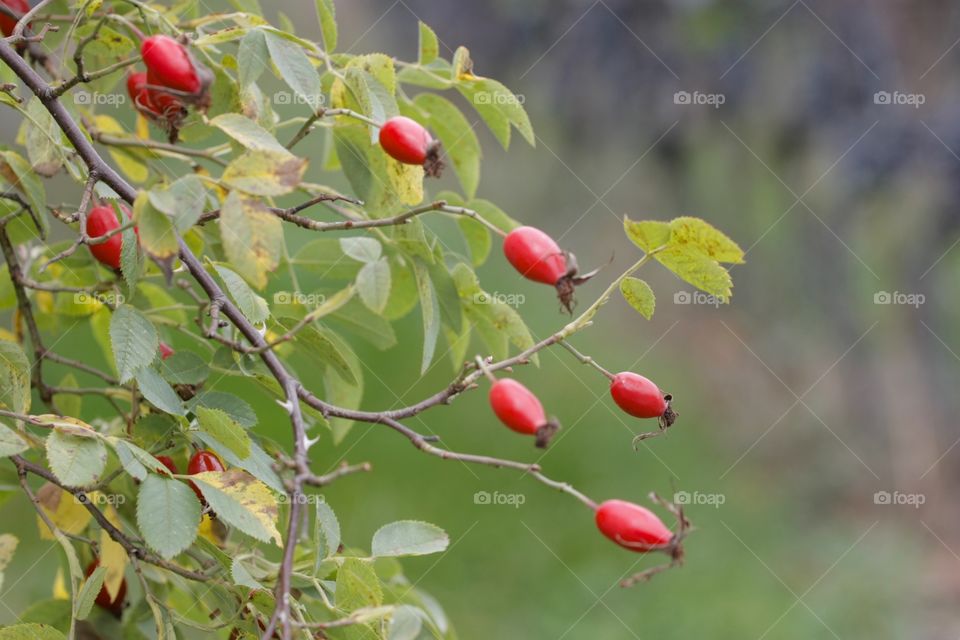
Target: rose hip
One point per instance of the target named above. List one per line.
(201, 461)
(101, 221)
(632, 526)
(520, 410)
(641, 398)
(407, 141)
(104, 601)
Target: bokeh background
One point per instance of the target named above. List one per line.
(824, 390)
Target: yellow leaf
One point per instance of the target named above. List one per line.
(112, 555)
(60, 591)
(135, 169)
(212, 530)
(406, 180)
(8, 544)
(63, 509)
(241, 501)
(252, 237)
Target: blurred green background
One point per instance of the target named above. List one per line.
(799, 401)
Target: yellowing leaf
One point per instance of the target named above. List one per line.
(241, 501)
(264, 173)
(128, 162)
(252, 237)
(112, 555)
(640, 296)
(63, 509)
(60, 591)
(688, 231)
(647, 234)
(406, 180)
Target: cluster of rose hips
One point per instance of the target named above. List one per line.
(173, 81)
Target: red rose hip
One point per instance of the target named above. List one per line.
(407, 141)
(171, 65)
(520, 410)
(535, 255)
(632, 526)
(201, 461)
(168, 462)
(165, 350)
(641, 398)
(9, 23)
(101, 221)
(104, 601)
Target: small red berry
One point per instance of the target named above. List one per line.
(100, 221)
(535, 255)
(9, 23)
(632, 526)
(641, 398)
(201, 461)
(519, 409)
(171, 65)
(139, 94)
(165, 351)
(113, 605)
(168, 462)
(406, 141)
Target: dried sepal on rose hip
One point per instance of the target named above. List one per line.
(172, 69)
(407, 141)
(538, 257)
(638, 529)
(520, 410)
(641, 398)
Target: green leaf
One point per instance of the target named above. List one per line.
(42, 139)
(11, 443)
(459, 140)
(328, 348)
(225, 430)
(694, 232)
(356, 318)
(295, 69)
(640, 296)
(698, 269)
(647, 234)
(241, 576)
(264, 173)
(252, 57)
(184, 367)
(77, 461)
(409, 538)
(89, 591)
(429, 45)
(183, 201)
(326, 532)
(16, 171)
(248, 133)
(30, 631)
(430, 311)
(158, 392)
(14, 378)
(241, 501)
(252, 305)
(357, 586)
(130, 463)
(328, 24)
(157, 234)
(363, 249)
(477, 238)
(493, 214)
(373, 284)
(324, 257)
(134, 341)
(252, 237)
(168, 515)
(131, 259)
(236, 407)
(487, 96)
